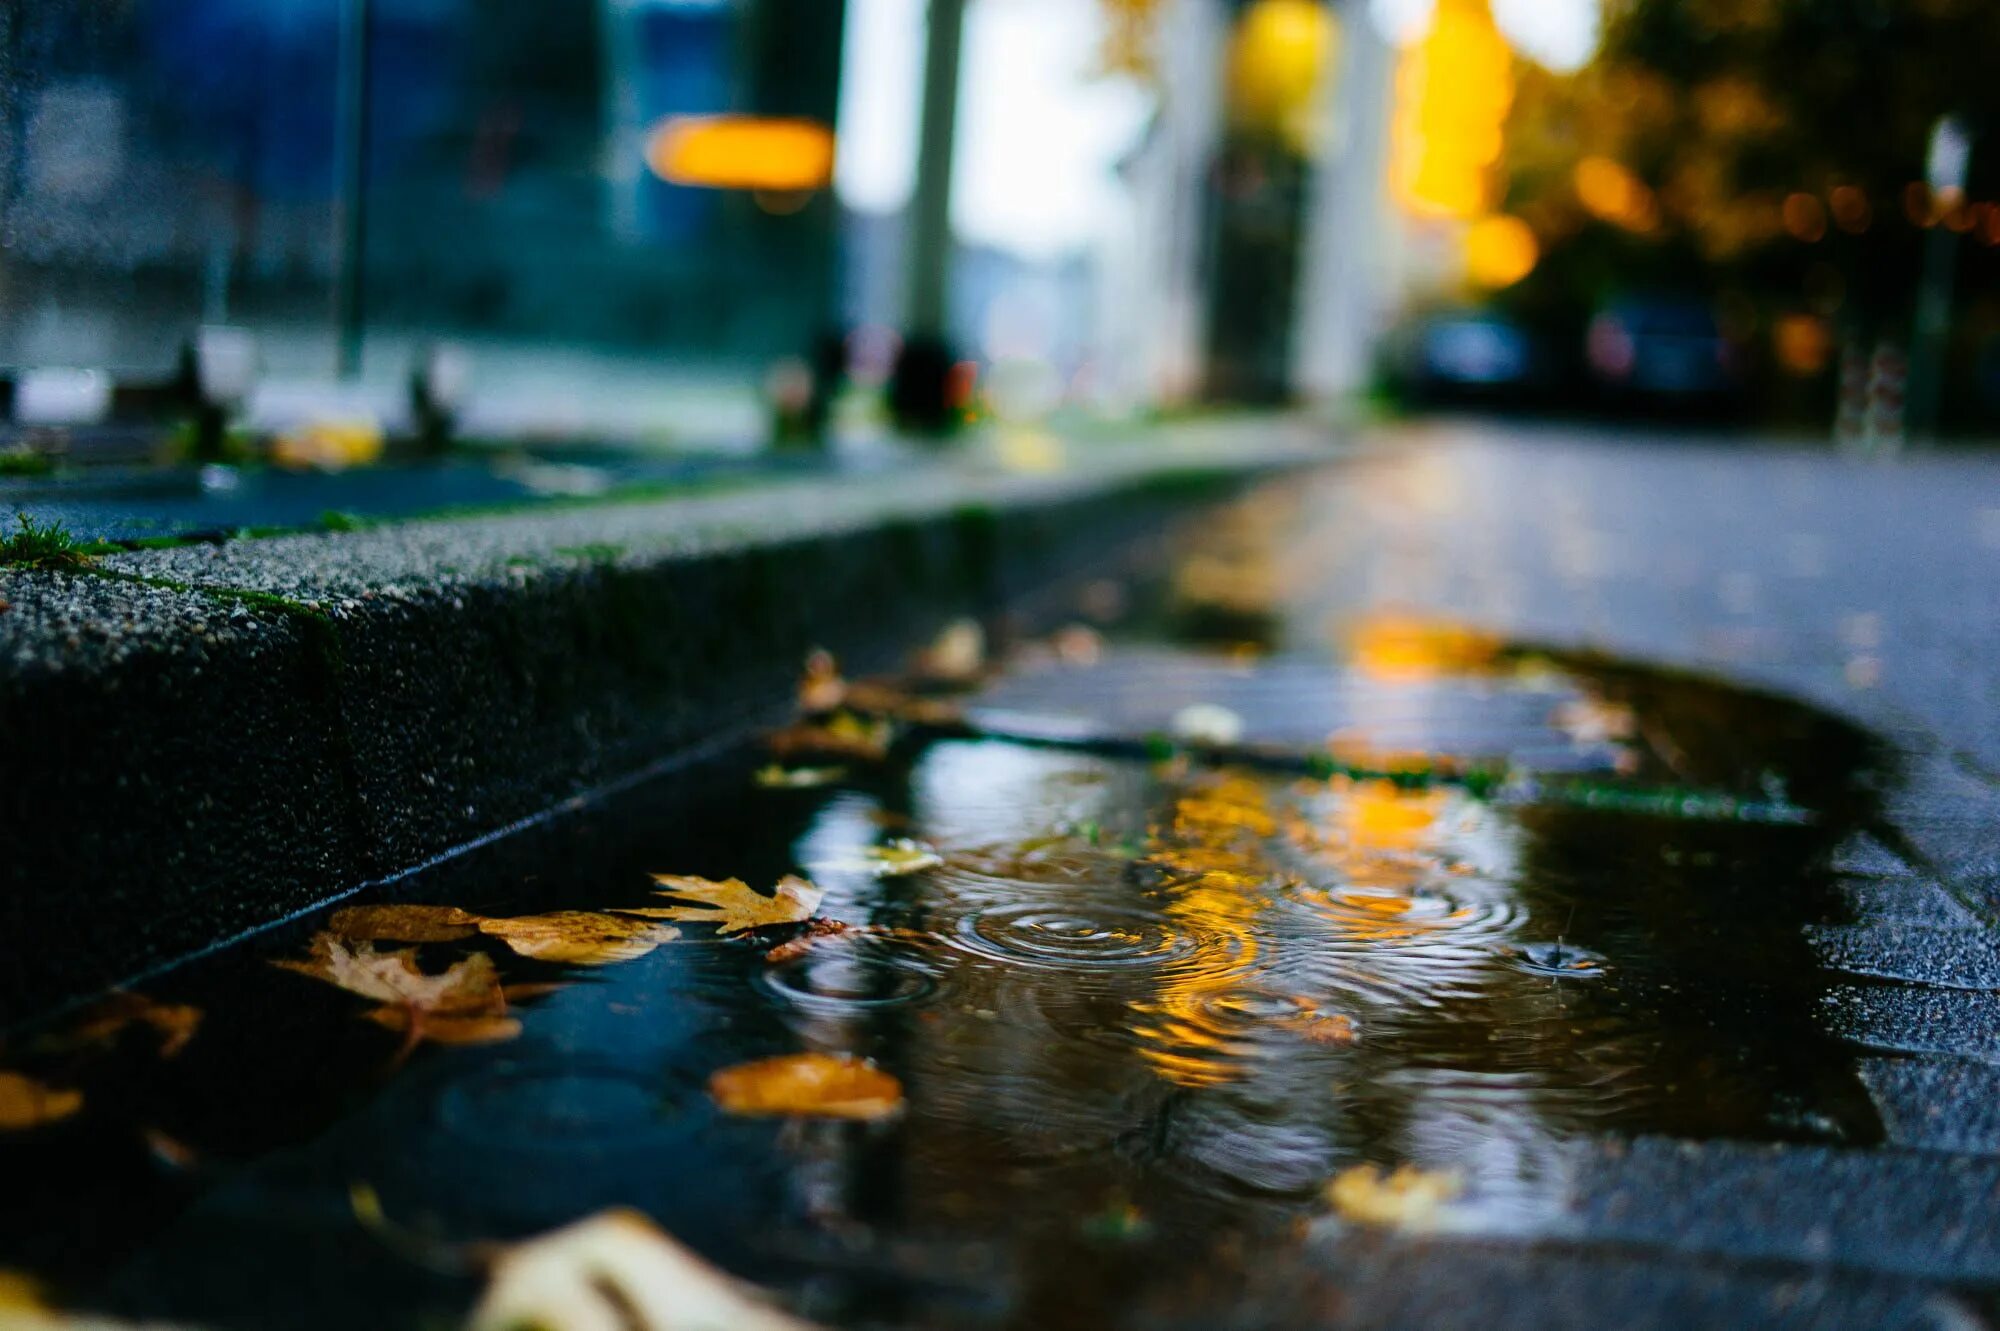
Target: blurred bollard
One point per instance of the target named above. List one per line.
(1850, 417)
(439, 385)
(1882, 432)
(922, 387)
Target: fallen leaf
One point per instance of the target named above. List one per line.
(579, 937)
(27, 1103)
(772, 776)
(896, 859)
(402, 924)
(1207, 723)
(1326, 1027)
(809, 1085)
(462, 1004)
(19, 1292)
(1077, 645)
(174, 1023)
(616, 1272)
(821, 689)
(958, 654)
(732, 905)
(1409, 1199)
(841, 735)
(813, 931)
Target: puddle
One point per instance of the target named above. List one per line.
(1141, 1014)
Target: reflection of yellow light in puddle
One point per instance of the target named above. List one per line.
(1398, 647)
(1213, 846)
(777, 156)
(1376, 815)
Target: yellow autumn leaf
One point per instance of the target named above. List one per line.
(27, 1103)
(774, 777)
(894, 859)
(808, 1085)
(173, 1023)
(840, 735)
(1407, 1198)
(579, 937)
(402, 924)
(616, 1272)
(732, 905)
(821, 689)
(958, 653)
(463, 1004)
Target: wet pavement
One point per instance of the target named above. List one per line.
(1170, 940)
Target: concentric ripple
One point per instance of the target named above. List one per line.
(846, 973)
(1083, 934)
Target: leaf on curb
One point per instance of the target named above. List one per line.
(26, 1103)
(732, 905)
(616, 1272)
(807, 1085)
(579, 937)
(402, 924)
(463, 1004)
(1409, 1199)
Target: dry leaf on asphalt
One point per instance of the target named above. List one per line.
(1409, 1199)
(402, 924)
(732, 905)
(27, 1103)
(463, 1004)
(807, 1085)
(174, 1023)
(616, 1272)
(579, 937)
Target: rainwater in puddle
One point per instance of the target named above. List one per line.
(1139, 1016)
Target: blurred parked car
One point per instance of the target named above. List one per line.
(1663, 351)
(1469, 355)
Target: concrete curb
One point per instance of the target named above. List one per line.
(195, 743)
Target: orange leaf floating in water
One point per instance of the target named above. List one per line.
(821, 689)
(957, 655)
(841, 735)
(1409, 1199)
(579, 937)
(1326, 1027)
(616, 1272)
(462, 1004)
(174, 1023)
(811, 1085)
(402, 924)
(732, 905)
(27, 1103)
(773, 777)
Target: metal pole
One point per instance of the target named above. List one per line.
(351, 196)
(929, 238)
